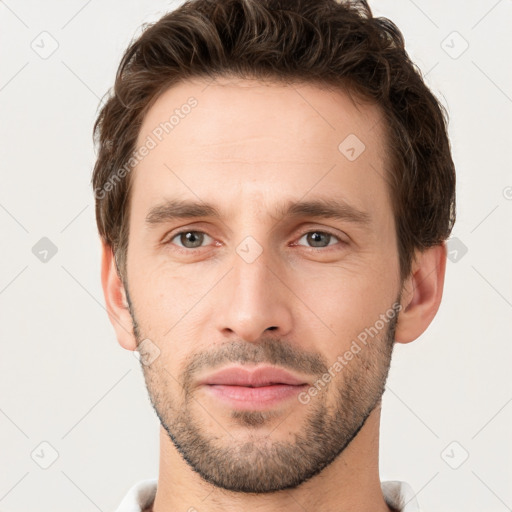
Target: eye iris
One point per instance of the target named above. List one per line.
(191, 239)
(315, 239)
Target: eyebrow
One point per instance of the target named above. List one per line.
(337, 209)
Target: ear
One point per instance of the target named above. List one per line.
(421, 293)
(115, 299)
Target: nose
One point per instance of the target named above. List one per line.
(254, 298)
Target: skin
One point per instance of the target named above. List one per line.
(247, 147)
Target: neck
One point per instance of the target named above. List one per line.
(350, 483)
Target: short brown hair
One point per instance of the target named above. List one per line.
(326, 42)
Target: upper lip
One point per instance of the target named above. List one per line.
(261, 376)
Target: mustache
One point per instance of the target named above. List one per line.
(272, 351)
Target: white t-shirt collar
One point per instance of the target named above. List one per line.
(397, 494)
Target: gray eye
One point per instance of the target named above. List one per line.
(190, 239)
(318, 238)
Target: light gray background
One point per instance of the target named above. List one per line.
(64, 379)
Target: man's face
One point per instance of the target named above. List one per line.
(256, 286)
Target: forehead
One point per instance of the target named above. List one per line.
(268, 139)
(251, 108)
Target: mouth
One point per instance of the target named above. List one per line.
(260, 388)
(255, 378)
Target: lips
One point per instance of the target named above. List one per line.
(258, 377)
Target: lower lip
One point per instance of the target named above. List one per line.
(243, 397)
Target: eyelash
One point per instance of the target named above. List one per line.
(188, 250)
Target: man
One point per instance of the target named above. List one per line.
(273, 188)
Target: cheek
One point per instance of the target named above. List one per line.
(345, 301)
(164, 289)
(170, 309)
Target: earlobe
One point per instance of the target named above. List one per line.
(115, 300)
(421, 293)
